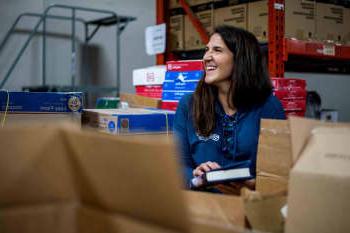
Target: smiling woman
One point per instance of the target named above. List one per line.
(218, 62)
(218, 125)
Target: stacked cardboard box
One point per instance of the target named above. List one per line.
(310, 160)
(204, 11)
(347, 19)
(138, 101)
(304, 20)
(300, 19)
(258, 19)
(274, 159)
(148, 81)
(181, 78)
(292, 94)
(177, 29)
(112, 184)
(330, 22)
(233, 13)
(319, 181)
(119, 184)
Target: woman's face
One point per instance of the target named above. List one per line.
(218, 61)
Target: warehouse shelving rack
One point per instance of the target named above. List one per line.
(110, 19)
(281, 51)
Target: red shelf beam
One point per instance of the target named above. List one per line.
(316, 50)
(195, 21)
(161, 16)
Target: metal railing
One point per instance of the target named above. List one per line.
(119, 21)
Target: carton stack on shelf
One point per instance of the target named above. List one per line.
(331, 24)
(204, 11)
(233, 13)
(292, 94)
(306, 20)
(181, 78)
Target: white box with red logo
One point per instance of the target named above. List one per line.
(148, 81)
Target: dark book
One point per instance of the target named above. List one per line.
(236, 172)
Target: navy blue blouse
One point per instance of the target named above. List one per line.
(234, 138)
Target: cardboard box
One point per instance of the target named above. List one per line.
(174, 4)
(330, 23)
(20, 101)
(274, 157)
(319, 185)
(131, 120)
(264, 211)
(258, 19)
(39, 119)
(205, 14)
(300, 19)
(176, 29)
(231, 13)
(215, 209)
(347, 29)
(111, 184)
(137, 101)
(110, 175)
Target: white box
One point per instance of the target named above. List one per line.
(153, 75)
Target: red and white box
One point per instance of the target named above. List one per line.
(298, 94)
(152, 91)
(288, 83)
(153, 75)
(294, 105)
(295, 113)
(184, 65)
(169, 105)
(148, 81)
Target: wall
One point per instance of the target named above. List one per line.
(333, 89)
(29, 71)
(102, 53)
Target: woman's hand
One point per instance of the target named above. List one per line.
(205, 167)
(234, 188)
(198, 181)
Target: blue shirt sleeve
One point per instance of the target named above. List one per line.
(182, 117)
